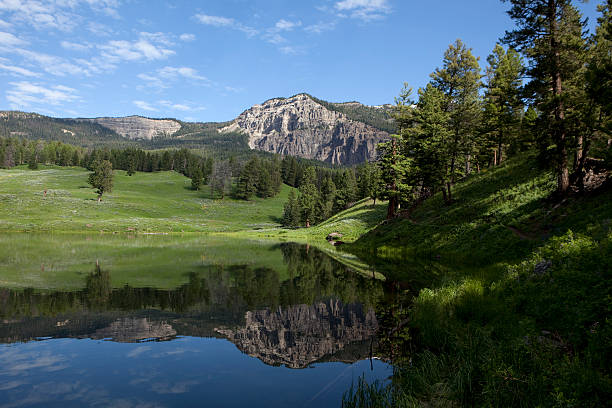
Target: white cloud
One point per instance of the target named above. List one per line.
(187, 37)
(8, 39)
(163, 76)
(99, 29)
(144, 106)
(4, 25)
(181, 107)
(24, 94)
(285, 25)
(165, 105)
(15, 70)
(75, 46)
(186, 72)
(275, 38)
(218, 21)
(291, 50)
(365, 10)
(54, 14)
(320, 27)
(54, 65)
(148, 47)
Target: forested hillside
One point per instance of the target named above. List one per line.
(34, 126)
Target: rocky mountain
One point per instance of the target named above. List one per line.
(138, 127)
(297, 336)
(302, 126)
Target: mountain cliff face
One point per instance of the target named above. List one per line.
(297, 336)
(300, 126)
(137, 127)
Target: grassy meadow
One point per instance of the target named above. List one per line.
(144, 202)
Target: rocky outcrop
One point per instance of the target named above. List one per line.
(300, 126)
(133, 329)
(297, 336)
(137, 127)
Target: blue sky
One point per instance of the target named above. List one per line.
(209, 60)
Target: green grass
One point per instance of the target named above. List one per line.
(499, 216)
(352, 223)
(144, 202)
(62, 261)
(490, 330)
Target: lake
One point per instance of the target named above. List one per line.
(154, 321)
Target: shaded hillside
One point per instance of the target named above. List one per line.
(76, 132)
(376, 116)
(504, 212)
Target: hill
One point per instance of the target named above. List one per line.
(301, 126)
(72, 131)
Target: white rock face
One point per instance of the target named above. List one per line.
(299, 126)
(137, 127)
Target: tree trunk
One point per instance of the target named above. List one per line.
(391, 208)
(559, 135)
(468, 163)
(99, 197)
(500, 147)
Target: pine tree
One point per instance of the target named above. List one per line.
(426, 134)
(196, 177)
(32, 160)
(327, 197)
(550, 34)
(247, 180)
(503, 105)
(291, 213)
(102, 177)
(309, 197)
(459, 81)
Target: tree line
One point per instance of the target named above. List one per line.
(464, 120)
(324, 192)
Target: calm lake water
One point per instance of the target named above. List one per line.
(154, 321)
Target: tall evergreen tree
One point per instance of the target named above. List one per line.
(459, 81)
(291, 213)
(426, 135)
(309, 197)
(196, 177)
(550, 34)
(503, 107)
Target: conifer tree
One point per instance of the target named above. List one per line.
(196, 177)
(503, 107)
(309, 197)
(550, 34)
(459, 81)
(291, 213)
(102, 177)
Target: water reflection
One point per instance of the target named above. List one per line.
(320, 310)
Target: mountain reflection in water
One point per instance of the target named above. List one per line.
(322, 311)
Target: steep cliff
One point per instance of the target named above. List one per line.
(137, 127)
(297, 336)
(300, 126)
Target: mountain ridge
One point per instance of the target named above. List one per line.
(301, 125)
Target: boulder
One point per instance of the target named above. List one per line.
(334, 236)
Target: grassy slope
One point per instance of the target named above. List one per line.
(497, 330)
(352, 223)
(156, 202)
(499, 216)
